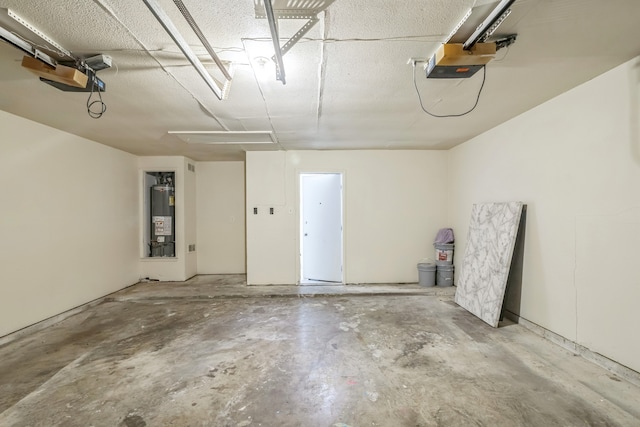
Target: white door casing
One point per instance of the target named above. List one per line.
(321, 227)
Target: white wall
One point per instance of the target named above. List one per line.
(395, 202)
(68, 221)
(575, 161)
(220, 217)
(190, 226)
(184, 265)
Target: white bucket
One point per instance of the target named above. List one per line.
(444, 253)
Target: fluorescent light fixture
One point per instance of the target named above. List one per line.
(225, 137)
(171, 29)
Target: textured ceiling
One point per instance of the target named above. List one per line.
(348, 82)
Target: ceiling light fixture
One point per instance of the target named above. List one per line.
(225, 137)
(171, 29)
(262, 67)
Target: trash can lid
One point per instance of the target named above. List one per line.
(426, 265)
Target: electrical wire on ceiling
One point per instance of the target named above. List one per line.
(503, 56)
(426, 38)
(322, 71)
(41, 47)
(95, 113)
(415, 84)
(176, 52)
(115, 64)
(95, 108)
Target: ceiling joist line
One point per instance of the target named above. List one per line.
(322, 69)
(260, 90)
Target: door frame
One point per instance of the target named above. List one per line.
(298, 189)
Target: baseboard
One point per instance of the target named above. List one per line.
(50, 321)
(43, 324)
(593, 357)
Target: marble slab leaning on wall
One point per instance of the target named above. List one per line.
(487, 259)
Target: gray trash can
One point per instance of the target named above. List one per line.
(426, 274)
(444, 275)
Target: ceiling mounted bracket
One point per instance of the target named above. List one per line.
(281, 9)
(275, 37)
(297, 36)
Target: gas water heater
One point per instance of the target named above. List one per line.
(163, 224)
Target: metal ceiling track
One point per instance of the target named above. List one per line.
(34, 42)
(490, 24)
(219, 89)
(275, 37)
(192, 23)
(288, 9)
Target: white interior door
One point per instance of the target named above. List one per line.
(321, 227)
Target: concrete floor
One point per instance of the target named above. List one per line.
(212, 352)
